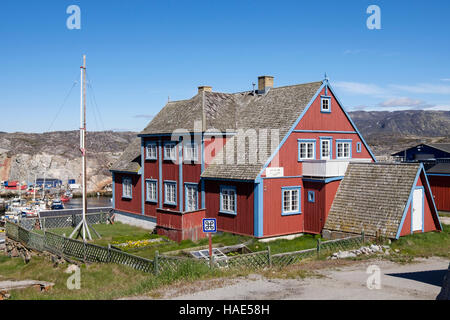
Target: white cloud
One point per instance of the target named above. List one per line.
(423, 88)
(359, 88)
(404, 102)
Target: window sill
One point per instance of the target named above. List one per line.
(152, 201)
(170, 203)
(127, 197)
(290, 213)
(228, 212)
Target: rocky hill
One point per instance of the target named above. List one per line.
(57, 155)
(388, 132)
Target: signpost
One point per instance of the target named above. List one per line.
(209, 226)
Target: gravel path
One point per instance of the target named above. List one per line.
(419, 280)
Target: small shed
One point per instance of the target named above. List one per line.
(385, 199)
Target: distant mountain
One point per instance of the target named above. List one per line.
(57, 155)
(387, 132)
(408, 122)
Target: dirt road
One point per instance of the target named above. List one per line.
(419, 280)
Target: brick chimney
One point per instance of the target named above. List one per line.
(204, 89)
(264, 83)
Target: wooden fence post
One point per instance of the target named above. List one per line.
(156, 266)
(84, 251)
(109, 252)
(318, 247)
(269, 256)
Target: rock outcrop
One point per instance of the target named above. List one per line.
(57, 155)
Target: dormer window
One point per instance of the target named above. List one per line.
(325, 104)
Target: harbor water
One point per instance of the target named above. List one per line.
(92, 202)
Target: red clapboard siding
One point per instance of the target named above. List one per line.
(274, 223)
(336, 120)
(123, 204)
(242, 222)
(440, 186)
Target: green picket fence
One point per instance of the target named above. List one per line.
(83, 251)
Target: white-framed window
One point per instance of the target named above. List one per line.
(343, 149)
(191, 151)
(127, 188)
(151, 151)
(290, 200)
(151, 190)
(325, 149)
(170, 192)
(306, 149)
(228, 199)
(170, 151)
(325, 104)
(191, 197)
(358, 147)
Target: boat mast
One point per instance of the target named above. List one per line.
(83, 226)
(83, 134)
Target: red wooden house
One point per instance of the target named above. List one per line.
(264, 163)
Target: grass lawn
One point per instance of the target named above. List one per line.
(116, 233)
(444, 214)
(98, 281)
(425, 244)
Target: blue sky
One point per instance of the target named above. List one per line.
(139, 53)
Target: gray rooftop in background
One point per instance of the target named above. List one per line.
(372, 197)
(440, 168)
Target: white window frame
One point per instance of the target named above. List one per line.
(191, 196)
(149, 149)
(307, 143)
(170, 151)
(287, 204)
(191, 151)
(168, 199)
(228, 200)
(151, 191)
(322, 104)
(341, 148)
(127, 187)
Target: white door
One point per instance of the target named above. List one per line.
(325, 149)
(417, 210)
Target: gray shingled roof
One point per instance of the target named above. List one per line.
(443, 168)
(277, 109)
(372, 197)
(220, 109)
(130, 160)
